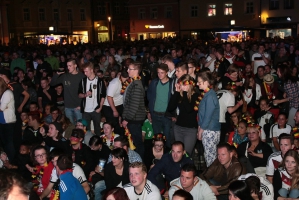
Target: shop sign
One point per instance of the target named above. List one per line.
(154, 26)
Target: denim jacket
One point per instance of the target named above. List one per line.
(208, 112)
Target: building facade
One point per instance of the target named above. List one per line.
(51, 21)
(280, 18)
(110, 20)
(153, 19)
(227, 20)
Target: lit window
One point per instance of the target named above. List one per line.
(228, 9)
(212, 10)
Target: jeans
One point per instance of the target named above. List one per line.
(6, 139)
(162, 124)
(187, 136)
(73, 114)
(98, 188)
(136, 133)
(96, 118)
(293, 193)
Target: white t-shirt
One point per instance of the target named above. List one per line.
(226, 99)
(275, 131)
(77, 173)
(229, 56)
(212, 64)
(273, 163)
(258, 60)
(113, 90)
(91, 103)
(150, 192)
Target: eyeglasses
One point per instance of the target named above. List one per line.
(40, 156)
(159, 145)
(131, 69)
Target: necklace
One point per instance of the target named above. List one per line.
(200, 97)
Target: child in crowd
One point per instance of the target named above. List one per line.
(147, 132)
(47, 114)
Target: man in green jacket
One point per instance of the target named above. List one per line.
(52, 60)
(17, 62)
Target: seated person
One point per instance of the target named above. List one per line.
(77, 171)
(283, 180)
(191, 183)
(69, 187)
(108, 136)
(32, 131)
(139, 187)
(227, 165)
(123, 142)
(82, 124)
(81, 153)
(170, 165)
(157, 150)
(116, 173)
(259, 186)
(280, 127)
(239, 136)
(21, 163)
(255, 150)
(264, 118)
(239, 190)
(182, 195)
(286, 142)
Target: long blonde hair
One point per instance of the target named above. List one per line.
(186, 79)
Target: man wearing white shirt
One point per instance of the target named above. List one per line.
(261, 58)
(140, 188)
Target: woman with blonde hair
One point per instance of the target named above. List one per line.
(286, 178)
(184, 98)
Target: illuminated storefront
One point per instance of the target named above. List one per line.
(153, 32)
(56, 38)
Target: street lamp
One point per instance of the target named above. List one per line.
(109, 29)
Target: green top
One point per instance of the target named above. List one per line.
(53, 61)
(161, 102)
(18, 62)
(148, 129)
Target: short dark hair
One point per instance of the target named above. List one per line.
(96, 140)
(35, 148)
(117, 193)
(225, 145)
(137, 66)
(220, 50)
(189, 168)
(56, 152)
(8, 180)
(184, 194)
(178, 143)
(285, 136)
(253, 183)
(120, 153)
(123, 140)
(163, 67)
(182, 65)
(64, 162)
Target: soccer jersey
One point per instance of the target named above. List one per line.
(147, 128)
(273, 163)
(77, 173)
(226, 99)
(150, 192)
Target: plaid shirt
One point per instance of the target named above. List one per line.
(292, 91)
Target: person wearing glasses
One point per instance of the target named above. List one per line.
(155, 153)
(134, 108)
(41, 173)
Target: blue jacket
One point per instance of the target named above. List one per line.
(208, 112)
(151, 93)
(70, 188)
(168, 167)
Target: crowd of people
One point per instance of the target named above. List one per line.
(125, 120)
